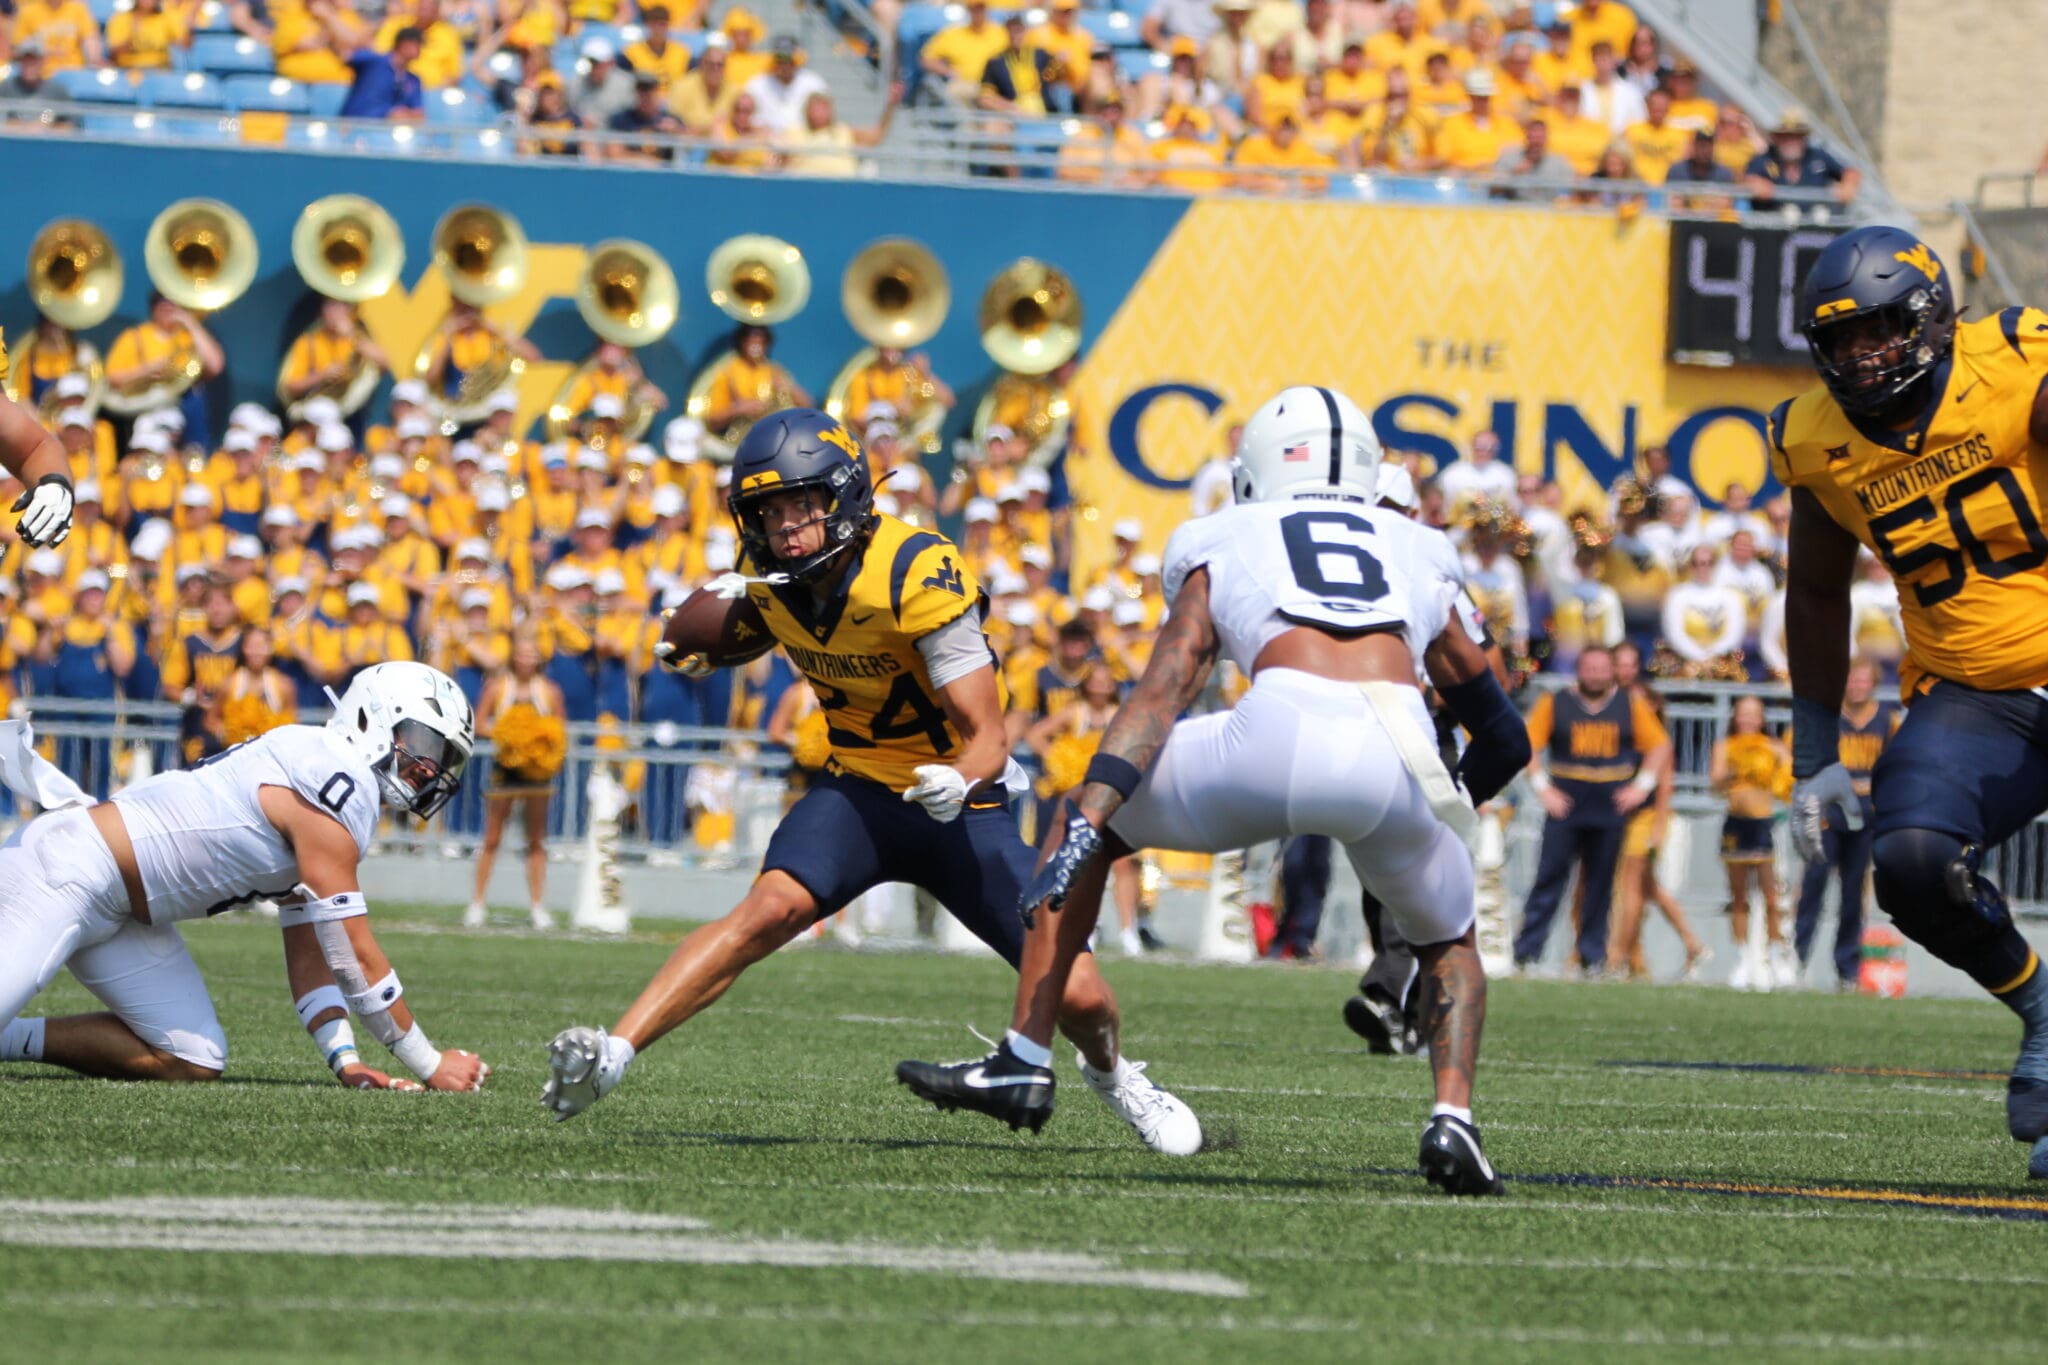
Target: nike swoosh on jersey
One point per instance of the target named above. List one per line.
(862, 618)
(1967, 392)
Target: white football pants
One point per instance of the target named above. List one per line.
(1300, 754)
(62, 904)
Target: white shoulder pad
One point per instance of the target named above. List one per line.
(319, 766)
(1189, 548)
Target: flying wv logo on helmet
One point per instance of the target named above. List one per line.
(792, 451)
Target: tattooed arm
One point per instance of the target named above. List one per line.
(1181, 661)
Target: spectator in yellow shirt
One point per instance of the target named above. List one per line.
(1576, 138)
(1186, 162)
(532, 25)
(1069, 43)
(1282, 148)
(1353, 88)
(1108, 137)
(1736, 143)
(1689, 109)
(740, 143)
(1231, 57)
(1403, 43)
(1601, 21)
(440, 60)
(142, 38)
(1395, 135)
(1475, 139)
(1517, 89)
(657, 52)
(745, 60)
(1656, 143)
(704, 97)
(63, 30)
(957, 56)
(1560, 64)
(1279, 89)
(307, 50)
(1441, 92)
(1323, 128)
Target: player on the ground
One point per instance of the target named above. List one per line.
(1926, 443)
(285, 816)
(1326, 600)
(885, 623)
(37, 458)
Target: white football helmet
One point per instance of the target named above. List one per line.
(414, 728)
(1308, 442)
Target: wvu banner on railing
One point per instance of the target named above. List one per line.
(1547, 327)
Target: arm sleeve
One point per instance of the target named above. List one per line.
(956, 649)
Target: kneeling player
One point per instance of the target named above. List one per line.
(1326, 601)
(885, 623)
(286, 816)
(1925, 444)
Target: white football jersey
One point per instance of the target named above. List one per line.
(201, 839)
(1276, 565)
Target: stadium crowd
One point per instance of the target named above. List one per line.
(1257, 94)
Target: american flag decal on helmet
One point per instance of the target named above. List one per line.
(1295, 454)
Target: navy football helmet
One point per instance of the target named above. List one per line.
(1881, 317)
(801, 448)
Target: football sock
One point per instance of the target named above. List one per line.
(621, 1051)
(2029, 1000)
(1462, 1115)
(1026, 1051)
(22, 1041)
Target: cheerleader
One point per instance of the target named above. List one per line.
(257, 697)
(1066, 740)
(1752, 769)
(1636, 883)
(521, 713)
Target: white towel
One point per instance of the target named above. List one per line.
(1389, 701)
(30, 776)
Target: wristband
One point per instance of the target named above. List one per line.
(417, 1053)
(1816, 737)
(318, 1001)
(1646, 783)
(1540, 780)
(1120, 775)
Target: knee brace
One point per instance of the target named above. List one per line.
(1932, 886)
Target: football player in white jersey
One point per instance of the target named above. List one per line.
(286, 816)
(1327, 601)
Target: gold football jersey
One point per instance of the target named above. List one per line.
(1953, 506)
(858, 650)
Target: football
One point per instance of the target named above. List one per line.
(726, 633)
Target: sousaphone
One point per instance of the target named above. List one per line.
(895, 294)
(1030, 325)
(482, 253)
(347, 248)
(74, 278)
(629, 297)
(759, 280)
(200, 255)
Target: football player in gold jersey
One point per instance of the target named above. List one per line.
(1928, 443)
(37, 459)
(885, 623)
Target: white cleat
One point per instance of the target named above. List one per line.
(475, 917)
(1168, 1126)
(541, 919)
(1784, 967)
(584, 1064)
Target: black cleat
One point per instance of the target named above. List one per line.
(1151, 942)
(998, 1085)
(1453, 1161)
(1380, 1022)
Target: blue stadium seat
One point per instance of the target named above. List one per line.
(1039, 139)
(1112, 27)
(326, 99)
(1135, 63)
(266, 94)
(480, 144)
(118, 125)
(455, 107)
(390, 138)
(213, 18)
(182, 90)
(227, 54)
(103, 86)
(102, 10)
(1423, 189)
(312, 134)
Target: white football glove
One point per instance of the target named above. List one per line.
(584, 1064)
(941, 790)
(46, 511)
(1811, 797)
(728, 587)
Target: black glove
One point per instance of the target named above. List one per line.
(1081, 842)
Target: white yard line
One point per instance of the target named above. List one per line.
(501, 1232)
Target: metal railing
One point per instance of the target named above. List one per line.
(988, 149)
(98, 743)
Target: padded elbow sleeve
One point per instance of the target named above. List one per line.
(1500, 741)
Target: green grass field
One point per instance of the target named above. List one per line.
(761, 1189)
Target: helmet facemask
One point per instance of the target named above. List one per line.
(1871, 359)
(848, 511)
(423, 769)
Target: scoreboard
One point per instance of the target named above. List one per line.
(1735, 292)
